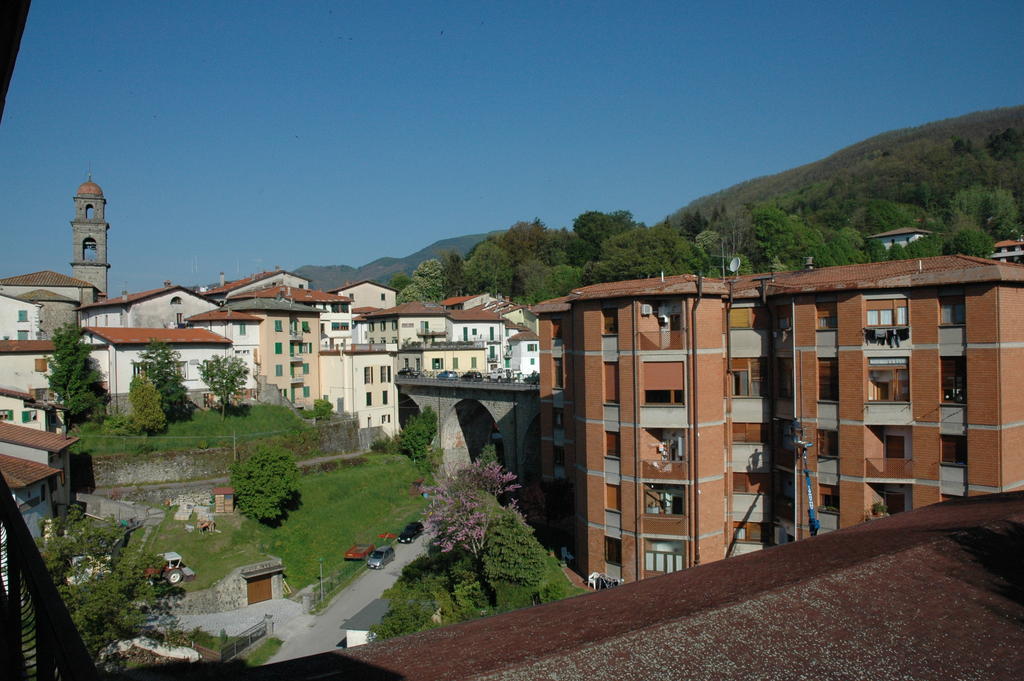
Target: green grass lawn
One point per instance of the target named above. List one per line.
(354, 503)
(204, 429)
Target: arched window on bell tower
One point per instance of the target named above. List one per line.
(89, 249)
(88, 211)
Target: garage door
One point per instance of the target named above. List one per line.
(259, 589)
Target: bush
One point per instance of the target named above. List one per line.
(119, 424)
(509, 596)
(321, 409)
(265, 483)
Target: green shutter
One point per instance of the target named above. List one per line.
(277, 349)
(279, 370)
(305, 391)
(305, 368)
(26, 416)
(278, 326)
(305, 327)
(241, 329)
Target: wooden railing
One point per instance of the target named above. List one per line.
(38, 640)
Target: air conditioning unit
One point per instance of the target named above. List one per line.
(663, 319)
(646, 310)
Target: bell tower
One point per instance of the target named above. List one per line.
(89, 236)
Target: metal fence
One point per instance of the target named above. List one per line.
(239, 644)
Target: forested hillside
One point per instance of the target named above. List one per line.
(961, 179)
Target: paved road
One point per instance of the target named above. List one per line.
(313, 634)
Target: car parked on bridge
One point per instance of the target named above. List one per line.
(448, 376)
(472, 376)
(409, 372)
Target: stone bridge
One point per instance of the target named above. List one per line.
(471, 414)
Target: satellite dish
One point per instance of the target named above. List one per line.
(734, 265)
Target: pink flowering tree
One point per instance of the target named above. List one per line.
(462, 505)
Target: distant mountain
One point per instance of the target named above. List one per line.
(382, 269)
(864, 158)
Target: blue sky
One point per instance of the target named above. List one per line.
(233, 137)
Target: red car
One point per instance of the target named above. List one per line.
(359, 551)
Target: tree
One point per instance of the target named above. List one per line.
(462, 505)
(643, 252)
(322, 409)
(161, 364)
(784, 240)
(147, 416)
(418, 434)
(453, 273)
(994, 210)
(72, 374)
(512, 554)
(426, 285)
(970, 242)
(399, 280)
(266, 483)
(593, 228)
(105, 589)
(489, 269)
(224, 376)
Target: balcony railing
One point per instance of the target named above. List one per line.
(39, 640)
(671, 340)
(888, 468)
(663, 470)
(428, 333)
(887, 336)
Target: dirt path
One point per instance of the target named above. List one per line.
(305, 463)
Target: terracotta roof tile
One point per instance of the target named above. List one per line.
(475, 314)
(299, 295)
(26, 346)
(891, 598)
(18, 394)
(135, 297)
(20, 473)
(36, 439)
(455, 300)
(224, 315)
(140, 336)
(1008, 243)
(899, 232)
(42, 295)
(238, 283)
(412, 309)
(525, 336)
(45, 278)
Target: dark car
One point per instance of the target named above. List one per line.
(409, 372)
(411, 531)
(448, 376)
(472, 376)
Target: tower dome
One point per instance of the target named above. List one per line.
(89, 187)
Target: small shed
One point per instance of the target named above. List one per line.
(263, 581)
(357, 629)
(224, 499)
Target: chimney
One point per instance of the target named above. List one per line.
(167, 283)
(809, 263)
(277, 268)
(221, 278)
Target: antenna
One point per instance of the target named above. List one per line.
(734, 265)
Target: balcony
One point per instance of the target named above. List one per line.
(295, 358)
(889, 468)
(953, 479)
(295, 334)
(663, 470)
(428, 333)
(660, 523)
(886, 336)
(664, 340)
(829, 520)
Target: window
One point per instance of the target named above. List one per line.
(28, 416)
(828, 379)
(384, 374)
(23, 335)
(278, 370)
(533, 361)
(610, 324)
(384, 398)
(382, 296)
(557, 377)
(6, 414)
(240, 328)
(954, 380)
(369, 399)
(751, 532)
(888, 379)
(455, 362)
(748, 318)
(437, 363)
(394, 325)
(368, 375)
(613, 550)
(472, 362)
(829, 496)
(749, 432)
(826, 313)
(954, 449)
(531, 347)
(782, 313)
(612, 442)
(613, 497)
(951, 310)
(747, 377)
(664, 499)
(556, 328)
(491, 329)
(611, 382)
(22, 315)
(887, 313)
(663, 555)
(465, 333)
(305, 327)
(278, 325)
(828, 444)
(663, 382)
(278, 349)
(41, 364)
(784, 370)
(305, 391)
(305, 368)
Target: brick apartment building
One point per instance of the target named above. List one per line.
(899, 375)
